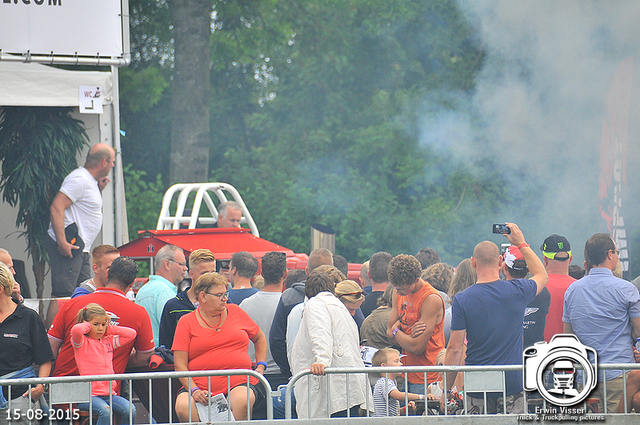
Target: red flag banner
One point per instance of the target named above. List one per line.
(613, 158)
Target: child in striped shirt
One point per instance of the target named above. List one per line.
(386, 395)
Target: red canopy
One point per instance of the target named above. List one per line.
(223, 243)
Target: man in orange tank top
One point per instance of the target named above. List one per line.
(415, 300)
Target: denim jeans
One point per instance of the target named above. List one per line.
(416, 388)
(121, 407)
(279, 405)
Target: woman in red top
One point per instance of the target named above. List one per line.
(216, 337)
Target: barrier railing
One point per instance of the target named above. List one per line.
(617, 366)
(404, 370)
(467, 371)
(82, 394)
(72, 393)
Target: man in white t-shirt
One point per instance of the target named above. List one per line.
(79, 201)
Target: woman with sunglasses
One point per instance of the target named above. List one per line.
(328, 337)
(215, 336)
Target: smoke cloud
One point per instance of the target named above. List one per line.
(541, 98)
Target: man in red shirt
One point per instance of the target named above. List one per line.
(123, 312)
(557, 257)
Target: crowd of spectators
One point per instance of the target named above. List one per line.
(415, 310)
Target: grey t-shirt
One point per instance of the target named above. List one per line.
(261, 307)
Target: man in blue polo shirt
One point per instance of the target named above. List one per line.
(490, 314)
(604, 312)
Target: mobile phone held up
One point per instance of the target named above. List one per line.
(501, 229)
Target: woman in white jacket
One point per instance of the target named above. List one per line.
(328, 337)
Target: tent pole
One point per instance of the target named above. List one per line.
(121, 224)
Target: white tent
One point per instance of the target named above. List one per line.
(31, 84)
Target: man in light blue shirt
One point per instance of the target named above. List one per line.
(170, 265)
(603, 311)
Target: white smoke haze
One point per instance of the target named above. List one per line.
(541, 98)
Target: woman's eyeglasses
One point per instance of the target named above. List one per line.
(224, 294)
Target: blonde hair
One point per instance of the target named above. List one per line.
(617, 272)
(349, 291)
(6, 279)
(89, 311)
(258, 282)
(440, 356)
(200, 256)
(464, 277)
(382, 356)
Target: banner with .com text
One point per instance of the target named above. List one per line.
(61, 27)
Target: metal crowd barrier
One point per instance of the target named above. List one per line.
(617, 366)
(405, 370)
(70, 390)
(477, 379)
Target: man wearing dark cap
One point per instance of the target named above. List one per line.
(557, 257)
(515, 267)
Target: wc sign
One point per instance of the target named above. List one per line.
(90, 100)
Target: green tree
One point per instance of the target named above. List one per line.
(190, 132)
(145, 92)
(318, 107)
(38, 148)
(336, 140)
(144, 200)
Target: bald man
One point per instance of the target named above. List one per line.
(78, 202)
(490, 314)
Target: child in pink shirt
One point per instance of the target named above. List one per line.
(94, 340)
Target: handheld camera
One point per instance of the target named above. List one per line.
(501, 229)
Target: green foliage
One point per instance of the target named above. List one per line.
(316, 113)
(142, 89)
(145, 96)
(38, 148)
(150, 33)
(338, 144)
(144, 200)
